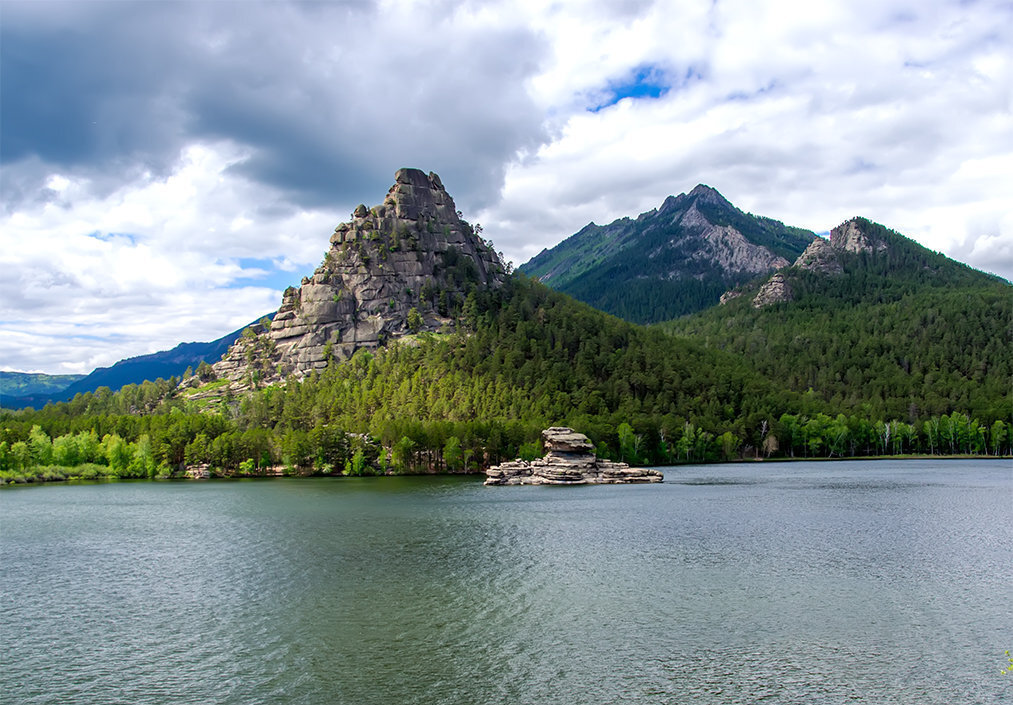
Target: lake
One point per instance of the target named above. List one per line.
(884, 581)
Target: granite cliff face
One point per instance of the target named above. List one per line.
(722, 245)
(570, 460)
(821, 256)
(856, 236)
(775, 291)
(401, 267)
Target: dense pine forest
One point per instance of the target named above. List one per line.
(525, 357)
(901, 334)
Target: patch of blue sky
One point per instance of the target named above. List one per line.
(108, 237)
(261, 271)
(647, 81)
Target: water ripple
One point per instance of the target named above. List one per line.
(810, 583)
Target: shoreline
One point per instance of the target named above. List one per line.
(23, 481)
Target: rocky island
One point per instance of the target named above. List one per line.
(570, 460)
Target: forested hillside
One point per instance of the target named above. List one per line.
(519, 359)
(899, 332)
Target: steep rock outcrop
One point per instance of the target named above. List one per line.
(401, 267)
(820, 257)
(723, 245)
(570, 460)
(775, 291)
(855, 236)
(730, 295)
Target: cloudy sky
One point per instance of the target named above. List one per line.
(169, 167)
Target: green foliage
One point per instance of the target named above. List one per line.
(919, 340)
(205, 372)
(40, 446)
(530, 451)
(518, 360)
(453, 456)
(415, 321)
(628, 442)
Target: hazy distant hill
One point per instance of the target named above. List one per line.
(670, 261)
(132, 370)
(19, 384)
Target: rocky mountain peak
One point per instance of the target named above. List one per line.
(856, 235)
(820, 256)
(401, 267)
(668, 261)
(775, 291)
(702, 192)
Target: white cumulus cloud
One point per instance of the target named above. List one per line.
(167, 168)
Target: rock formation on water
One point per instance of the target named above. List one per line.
(402, 267)
(570, 461)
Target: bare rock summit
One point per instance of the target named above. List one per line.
(775, 291)
(856, 236)
(820, 256)
(401, 267)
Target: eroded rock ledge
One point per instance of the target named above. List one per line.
(570, 461)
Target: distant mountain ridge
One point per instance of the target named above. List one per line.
(133, 370)
(18, 384)
(675, 259)
(861, 245)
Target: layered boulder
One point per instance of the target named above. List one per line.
(402, 267)
(570, 460)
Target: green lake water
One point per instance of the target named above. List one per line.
(883, 582)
